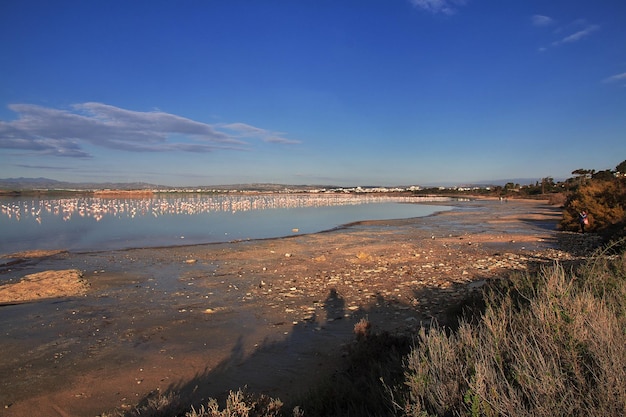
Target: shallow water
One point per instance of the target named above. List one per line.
(87, 224)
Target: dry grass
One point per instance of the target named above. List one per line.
(551, 344)
(604, 201)
(241, 404)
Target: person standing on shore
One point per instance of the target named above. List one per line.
(583, 219)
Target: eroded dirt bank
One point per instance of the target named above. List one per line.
(269, 314)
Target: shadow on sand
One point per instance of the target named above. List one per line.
(314, 351)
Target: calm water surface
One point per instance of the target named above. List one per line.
(92, 223)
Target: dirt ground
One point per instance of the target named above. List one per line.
(272, 315)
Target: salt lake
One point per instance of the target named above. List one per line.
(99, 223)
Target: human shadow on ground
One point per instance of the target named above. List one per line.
(531, 224)
(274, 367)
(315, 348)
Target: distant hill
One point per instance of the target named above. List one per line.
(30, 184)
(17, 184)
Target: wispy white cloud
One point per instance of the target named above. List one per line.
(578, 35)
(243, 130)
(616, 78)
(541, 20)
(575, 31)
(439, 6)
(66, 132)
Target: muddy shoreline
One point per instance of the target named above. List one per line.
(270, 314)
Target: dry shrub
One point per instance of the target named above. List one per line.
(241, 404)
(362, 329)
(556, 347)
(604, 201)
(437, 370)
(156, 404)
(238, 404)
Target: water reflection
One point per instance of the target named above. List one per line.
(103, 223)
(99, 208)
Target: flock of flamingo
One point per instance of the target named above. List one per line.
(99, 207)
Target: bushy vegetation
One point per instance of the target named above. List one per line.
(242, 404)
(603, 196)
(239, 403)
(551, 344)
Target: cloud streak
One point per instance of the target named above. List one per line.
(578, 35)
(578, 30)
(57, 132)
(243, 130)
(541, 21)
(616, 78)
(439, 6)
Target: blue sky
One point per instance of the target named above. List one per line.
(369, 92)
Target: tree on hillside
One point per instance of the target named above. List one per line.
(621, 168)
(583, 174)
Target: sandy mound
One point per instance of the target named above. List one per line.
(46, 284)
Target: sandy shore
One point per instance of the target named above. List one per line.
(269, 314)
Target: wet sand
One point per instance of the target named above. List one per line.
(270, 314)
